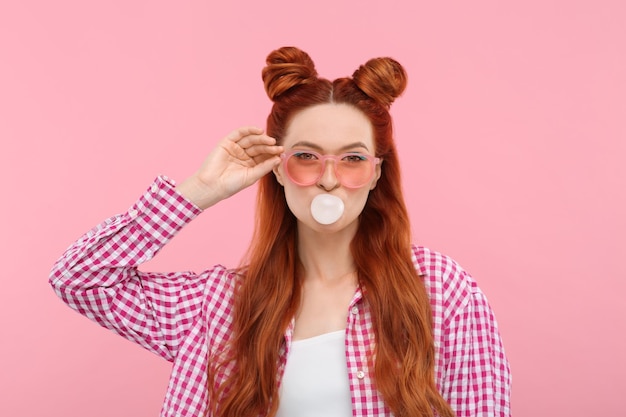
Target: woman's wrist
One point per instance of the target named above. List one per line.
(197, 192)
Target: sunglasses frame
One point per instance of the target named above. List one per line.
(373, 160)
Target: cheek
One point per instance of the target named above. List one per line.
(357, 201)
(297, 200)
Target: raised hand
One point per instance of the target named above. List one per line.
(238, 161)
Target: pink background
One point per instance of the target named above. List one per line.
(512, 134)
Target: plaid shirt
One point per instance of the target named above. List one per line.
(181, 315)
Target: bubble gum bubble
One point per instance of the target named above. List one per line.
(326, 208)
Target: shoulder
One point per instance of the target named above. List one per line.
(450, 287)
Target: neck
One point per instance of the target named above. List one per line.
(326, 256)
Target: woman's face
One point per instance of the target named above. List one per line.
(328, 129)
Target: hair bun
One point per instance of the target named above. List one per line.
(287, 67)
(382, 79)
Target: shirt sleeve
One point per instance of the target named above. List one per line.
(477, 378)
(98, 277)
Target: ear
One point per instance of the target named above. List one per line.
(377, 174)
(278, 174)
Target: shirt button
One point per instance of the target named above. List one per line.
(355, 310)
(154, 188)
(360, 374)
(133, 213)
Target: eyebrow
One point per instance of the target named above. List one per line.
(319, 148)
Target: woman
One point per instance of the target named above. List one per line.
(334, 312)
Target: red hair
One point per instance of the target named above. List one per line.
(264, 305)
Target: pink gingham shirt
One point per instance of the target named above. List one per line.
(181, 315)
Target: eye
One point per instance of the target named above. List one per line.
(354, 158)
(305, 156)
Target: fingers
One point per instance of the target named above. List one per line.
(257, 149)
(248, 136)
(242, 132)
(264, 150)
(265, 167)
(251, 142)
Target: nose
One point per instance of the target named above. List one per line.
(328, 181)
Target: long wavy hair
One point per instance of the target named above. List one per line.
(269, 290)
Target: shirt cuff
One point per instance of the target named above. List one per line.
(162, 211)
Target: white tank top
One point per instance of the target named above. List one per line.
(315, 382)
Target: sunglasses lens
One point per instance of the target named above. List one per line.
(353, 170)
(304, 168)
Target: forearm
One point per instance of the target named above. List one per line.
(125, 240)
(98, 277)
